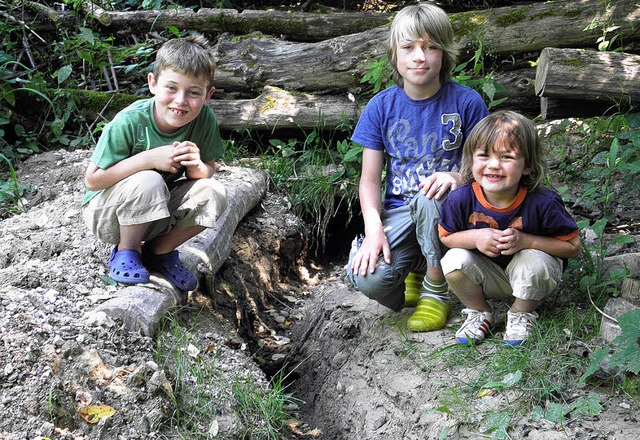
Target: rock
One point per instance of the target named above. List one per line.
(609, 328)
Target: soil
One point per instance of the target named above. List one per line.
(354, 370)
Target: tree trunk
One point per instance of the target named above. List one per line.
(296, 26)
(504, 31)
(336, 65)
(588, 75)
(530, 28)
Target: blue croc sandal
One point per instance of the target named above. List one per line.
(126, 267)
(170, 267)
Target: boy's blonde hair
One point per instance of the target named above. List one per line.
(190, 56)
(411, 24)
(521, 136)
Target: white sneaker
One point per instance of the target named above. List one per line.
(476, 327)
(518, 326)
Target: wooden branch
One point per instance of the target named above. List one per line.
(588, 75)
(504, 31)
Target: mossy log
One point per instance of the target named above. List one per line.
(604, 78)
(503, 31)
(273, 109)
(330, 66)
(296, 26)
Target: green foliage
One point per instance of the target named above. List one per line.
(609, 172)
(11, 192)
(473, 73)
(378, 75)
(609, 40)
(502, 383)
(626, 355)
(199, 390)
(319, 173)
(594, 251)
(561, 414)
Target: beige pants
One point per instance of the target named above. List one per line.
(531, 274)
(144, 197)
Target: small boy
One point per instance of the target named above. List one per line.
(418, 128)
(508, 235)
(149, 185)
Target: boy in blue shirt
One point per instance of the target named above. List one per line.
(149, 180)
(418, 128)
(508, 235)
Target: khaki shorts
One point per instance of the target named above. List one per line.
(144, 197)
(531, 274)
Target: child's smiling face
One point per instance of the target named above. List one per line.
(498, 171)
(179, 99)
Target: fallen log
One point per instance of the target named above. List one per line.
(331, 66)
(588, 75)
(530, 28)
(278, 109)
(296, 26)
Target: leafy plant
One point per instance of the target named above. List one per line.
(476, 77)
(607, 41)
(557, 412)
(594, 251)
(378, 75)
(502, 382)
(319, 173)
(622, 162)
(626, 356)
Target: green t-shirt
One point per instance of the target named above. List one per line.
(134, 130)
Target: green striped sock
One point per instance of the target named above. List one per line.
(435, 289)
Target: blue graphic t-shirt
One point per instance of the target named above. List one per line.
(541, 212)
(419, 138)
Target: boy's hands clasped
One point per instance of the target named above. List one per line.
(493, 242)
(181, 154)
(186, 154)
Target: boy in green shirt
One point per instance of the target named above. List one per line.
(149, 186)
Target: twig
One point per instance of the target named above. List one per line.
(113, 72)
(100, 114)
(106, 78)
(25, 44)
(614, 320)
(21, 23)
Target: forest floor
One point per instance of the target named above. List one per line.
(353, 369)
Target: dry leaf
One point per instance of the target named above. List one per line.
(486, 392)
(93, 413)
